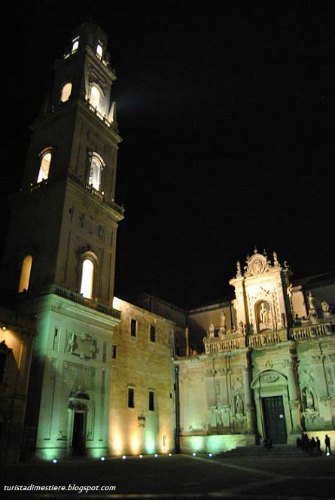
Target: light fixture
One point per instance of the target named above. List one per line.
(54, 461)
(124, 457)
(102, 459)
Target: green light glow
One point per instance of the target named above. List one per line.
(150, 443)
(212, 444)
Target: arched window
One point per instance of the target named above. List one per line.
(43, 173)
(96, 96)
(66, 92)
(99, 50)
(25, 273)
(95, 172)
(87, 278)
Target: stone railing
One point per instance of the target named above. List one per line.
(216, 344)
(79, 299)
(311, 332)
(96, 193)
(267, 338)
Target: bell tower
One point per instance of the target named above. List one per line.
(59, 259)
(64, 220)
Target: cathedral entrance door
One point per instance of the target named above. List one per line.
(274, 419)
(78, 437)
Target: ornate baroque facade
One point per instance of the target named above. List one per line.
(268, 367)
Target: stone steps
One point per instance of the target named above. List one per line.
(279, 450)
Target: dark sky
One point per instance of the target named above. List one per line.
(227, 113)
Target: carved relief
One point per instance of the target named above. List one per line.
(82, 345)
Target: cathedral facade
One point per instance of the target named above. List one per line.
(267, 370)
(95, 375)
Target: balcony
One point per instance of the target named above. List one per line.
(79, 299)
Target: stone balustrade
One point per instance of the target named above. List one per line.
(311, 331)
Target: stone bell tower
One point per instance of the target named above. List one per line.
(59, 258)
(65, 214)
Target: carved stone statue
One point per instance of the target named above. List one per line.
(325, 306)
(211, 330)
(311, 303)
(223, 319)
(238, 272)
(308, 398)
(239, 404)
(242, 328)
(264, 314)
(326, 310)
(275, 258)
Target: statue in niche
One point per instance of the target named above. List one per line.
(308, 398)
(211, 330)
(239, 404)
(264, 316)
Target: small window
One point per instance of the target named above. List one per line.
(87, 276)
(66, 92)
(113, 351)
(75, 45)
(152, 333)
(99, 50)
(43, 173)
(25, 273)
(151, 401)
(55, 342)
(131, 397)
(133, 327)
(95, 172)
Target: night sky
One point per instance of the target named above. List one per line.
(227, 113)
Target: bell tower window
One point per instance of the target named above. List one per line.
(44, 167)
(99, 51)
(96, 97)
(25, 273)
(66, 92)
(75, 45)
(95, 173)
(87, 278)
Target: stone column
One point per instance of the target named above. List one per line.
(249, 405)
(294, 399)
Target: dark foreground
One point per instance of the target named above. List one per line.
(178, 476)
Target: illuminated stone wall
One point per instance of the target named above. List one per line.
(16, 342)
(70, 374)
(142, 365)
